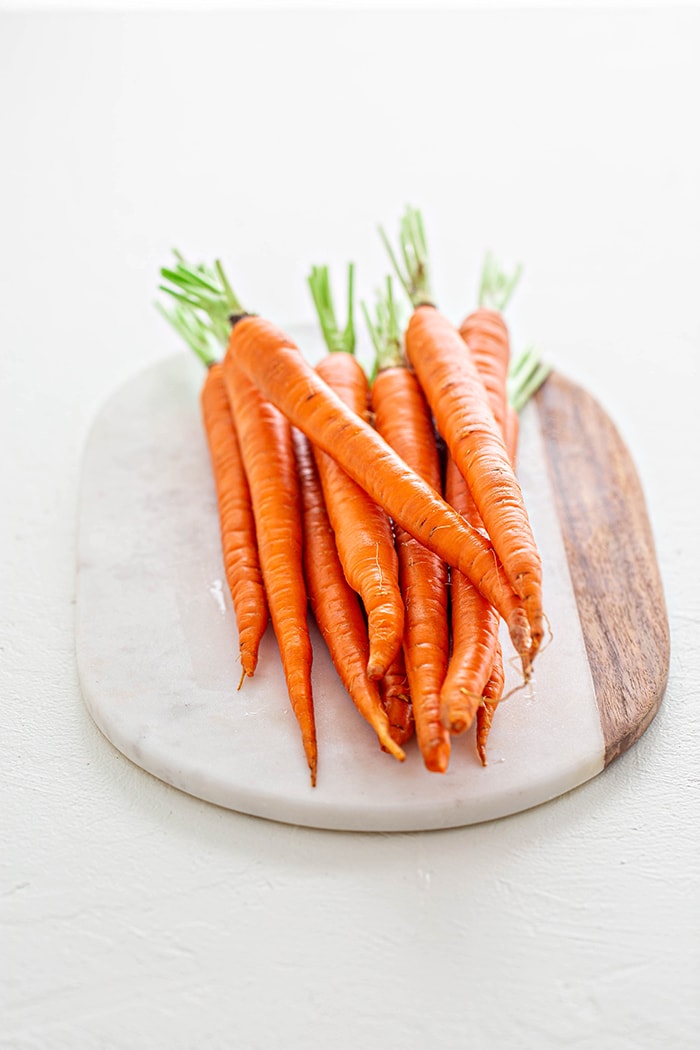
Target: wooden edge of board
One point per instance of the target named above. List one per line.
(612, 560)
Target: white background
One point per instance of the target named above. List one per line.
(135, 916)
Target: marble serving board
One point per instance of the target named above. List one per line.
(158, 651)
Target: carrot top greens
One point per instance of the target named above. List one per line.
(204, 305)
(496, 286)
(526, 375)
(386, 331)
(193, 331)
(413, 271)
(336, 338)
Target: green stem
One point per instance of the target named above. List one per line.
(197, 335)
(496, 286)
(412, 270)
(204, 304)
(385, 331)
(336, 339)
(526, 375)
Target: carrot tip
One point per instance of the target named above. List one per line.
(391, 747)
(437, 757)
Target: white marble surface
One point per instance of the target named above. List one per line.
(157, 648)
(134, 915)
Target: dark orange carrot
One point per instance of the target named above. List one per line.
(493, 691)
(525, 376)
(334, 604)
(396, 699)
(362, 529)
(464, 418)
(237, 525)
(474, 627)
(486, 334)
(266, 447)
(403, 419)
(475, 623)
(267, 452)
(238, 540)
(275, 364)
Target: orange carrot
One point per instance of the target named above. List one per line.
(474, 627)
(475, 624)
(267, 452)
(486, 334)
(275, 364)
(238, 540)
(268, 455)
(459, 403)
(237, 526)
(334, 604)
(403, 419)
(396, 699)
(524, 378)
(493, 691)
(362, 529)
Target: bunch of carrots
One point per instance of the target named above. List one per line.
(387, 503)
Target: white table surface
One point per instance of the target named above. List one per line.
(136, 916)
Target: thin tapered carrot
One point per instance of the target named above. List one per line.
(268, 455)
(396, 700)
(525, 377)
(362, 529)
(267, 452)
(464, 418)
(474, 627)
(493, 691)
(475, 623)
(403, 419)
(334, 603)
(275, 364)
(238, 538)
(485, 332)
(236, 522)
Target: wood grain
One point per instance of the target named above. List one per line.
(612, 560)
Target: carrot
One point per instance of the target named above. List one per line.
(396, 699)
(459, 403)
(474, 627)
(272, 360)
(403, 419)
(475, 624)
(334, 604)
(525, 376)
(362, 529)
(268, 456)
(493, 691)
(237, 526)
